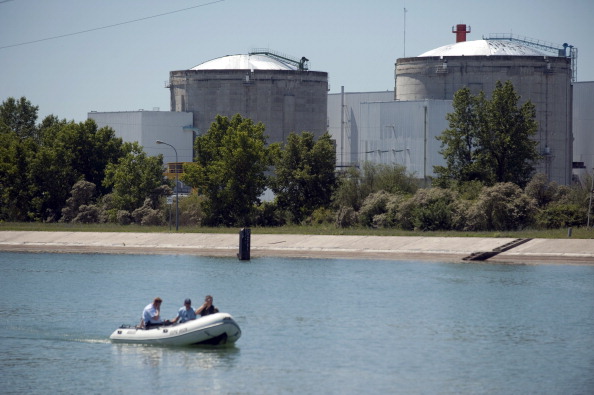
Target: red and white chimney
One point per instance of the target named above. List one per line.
(461, 31)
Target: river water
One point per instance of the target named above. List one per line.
(311, 326)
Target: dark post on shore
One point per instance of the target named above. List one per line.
(244, 244)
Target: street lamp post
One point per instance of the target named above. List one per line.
(590, 204)
(176, 186)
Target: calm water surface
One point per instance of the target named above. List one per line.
(309, 326)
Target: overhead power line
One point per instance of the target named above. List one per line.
(109, 26)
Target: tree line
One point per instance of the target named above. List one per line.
(62, 171)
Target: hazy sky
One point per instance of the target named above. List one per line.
(121, 66)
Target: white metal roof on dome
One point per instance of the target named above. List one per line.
(244, 62)
(483, 48)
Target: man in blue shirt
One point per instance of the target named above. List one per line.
(185, 313)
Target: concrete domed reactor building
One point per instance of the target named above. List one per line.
(540, 72)
(265, 86)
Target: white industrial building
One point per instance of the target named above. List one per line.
(390, 127)
(265, 86)
(583, 128)
(374, 128)
(146, 127)
(402, 128)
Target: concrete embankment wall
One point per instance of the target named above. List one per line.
(319, 246)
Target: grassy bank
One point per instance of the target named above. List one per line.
(576, 233)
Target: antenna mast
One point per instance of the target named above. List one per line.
(404, 56)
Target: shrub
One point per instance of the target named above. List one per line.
(541, 190)
(266, 214)
(87, 214)
(558, 215)
(429, 209)
(356, 185)
(502, 207)
(152, 217)
(345, 217)
(381, 221)
(82, 193)
(321, 216)
(373, 205)
(190, 210)
(147, 215)
(123, 217)
(392, 211)
(348, 190)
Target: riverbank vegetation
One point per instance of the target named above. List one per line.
(62, 175)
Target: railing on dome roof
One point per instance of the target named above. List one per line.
(302, 64)
(559, 50)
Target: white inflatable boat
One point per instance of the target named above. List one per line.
(219, 328)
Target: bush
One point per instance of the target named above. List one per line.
(390, 219)
(267, 214)
(502, 207)
(348, 191)
(81, 194)
(87, 214)
(152, 217)
(190, 210)
(381, 221)
(345, 217)
(321, 216)
(541, 190)
(373, 205)
(146, 215)
(557, 215)
(430, 209)
(356, 185)
(123, 217)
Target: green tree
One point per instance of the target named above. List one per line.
(18, 147)
(70, 152)
(509, 139)
(86, 150)
(40, 164)
(304, 178)
(231, 159)
(16, 156)
(489, 140)
(461, 143)
(19, 116)
(133, 178)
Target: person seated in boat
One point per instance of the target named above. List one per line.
(151, 315)
(185, 313)
(207, 307)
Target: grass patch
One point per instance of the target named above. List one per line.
(577, 233)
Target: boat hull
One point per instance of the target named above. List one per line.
(219, 328)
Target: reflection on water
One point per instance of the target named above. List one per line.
(308, 326)
(189, 358)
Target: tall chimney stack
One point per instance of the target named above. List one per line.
(460, 32)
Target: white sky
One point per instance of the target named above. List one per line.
(125, 67)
